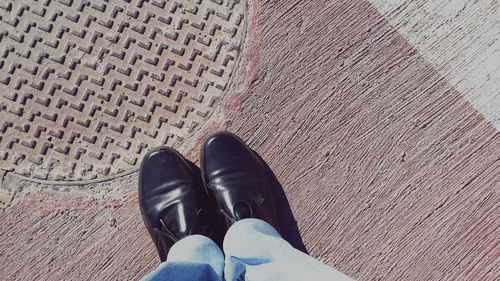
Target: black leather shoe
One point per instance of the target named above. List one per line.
(237, 180)
(172, 200)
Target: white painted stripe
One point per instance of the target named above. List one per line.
(461, 39)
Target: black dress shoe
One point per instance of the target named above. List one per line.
(237, 180)
(172, 200)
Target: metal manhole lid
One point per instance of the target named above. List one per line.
(87, 87)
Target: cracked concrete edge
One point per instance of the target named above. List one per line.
(218, 118)
(5, 195)
(244, 76)
(245, 73)
(47, 197)
(10, 184)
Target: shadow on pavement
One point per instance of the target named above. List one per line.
(288, 224)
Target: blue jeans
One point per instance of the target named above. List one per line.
(254, 251)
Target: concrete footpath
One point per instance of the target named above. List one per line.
(379, 119)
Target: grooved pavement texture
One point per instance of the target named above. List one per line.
(390, 173)
(460, 38)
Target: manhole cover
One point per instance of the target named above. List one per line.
(87, 87)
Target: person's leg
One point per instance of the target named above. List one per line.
(255, 251)
(236, 178)
(195, 257)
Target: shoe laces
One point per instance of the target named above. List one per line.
(197, 228)
(165, 232)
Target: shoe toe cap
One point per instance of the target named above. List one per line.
(162, 169)
(224, 152)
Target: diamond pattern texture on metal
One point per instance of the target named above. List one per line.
(87, 87)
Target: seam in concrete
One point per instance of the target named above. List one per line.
(74, 183)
